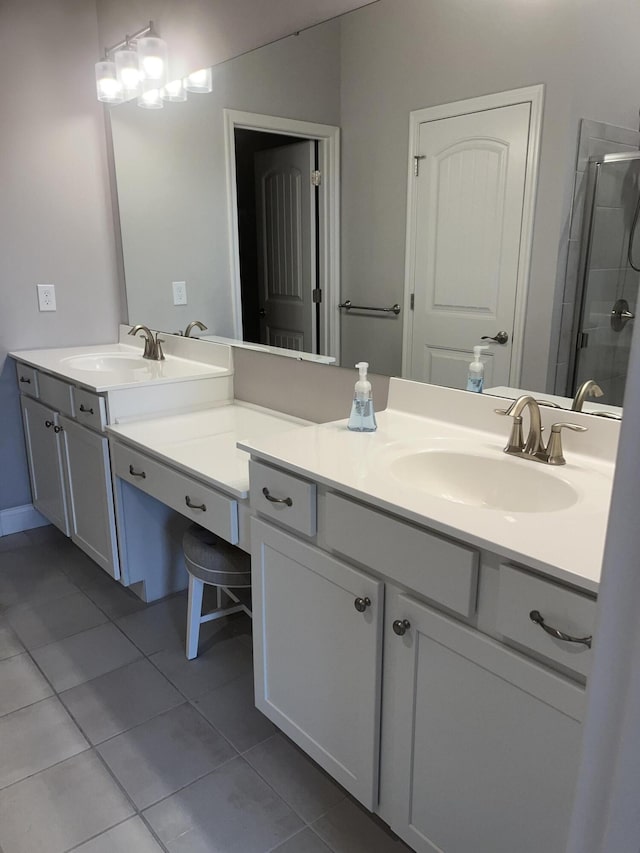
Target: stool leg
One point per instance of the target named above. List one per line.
(194, 613)
(219, 597)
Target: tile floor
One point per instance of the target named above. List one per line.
(110, 740)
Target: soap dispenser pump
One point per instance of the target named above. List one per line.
(475, 377)
(362, 418)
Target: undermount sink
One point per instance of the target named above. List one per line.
(105, 362)
(512, 485)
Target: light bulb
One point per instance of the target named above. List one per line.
(152, 60)
(199, 81)
(150, 100)
(108, 88)
(128, 72)
(174, 91)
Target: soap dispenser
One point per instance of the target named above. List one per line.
(362, 418)
(475, 377)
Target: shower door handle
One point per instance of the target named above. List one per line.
(499, 338)
(620, 315)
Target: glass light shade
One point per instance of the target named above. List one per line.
(152, 60)
(128, 72)
(199, 81)
(151, 99)
(174, 91)
(108, 87)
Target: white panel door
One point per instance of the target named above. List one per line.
(44, 454)
(91, 512)
(481, 746)
(317, 658)
(285, 210)
(466, 237)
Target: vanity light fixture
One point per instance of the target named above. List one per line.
(108, 87)
(135, 67)
(199, 81)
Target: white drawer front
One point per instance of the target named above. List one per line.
(90, 409)
(441, 570)
(27, 379)
(55, 393)
(202, 504)
(566, 610)
(284, 498)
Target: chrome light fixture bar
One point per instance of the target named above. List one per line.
(137, 67)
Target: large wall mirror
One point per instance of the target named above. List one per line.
(221, 192)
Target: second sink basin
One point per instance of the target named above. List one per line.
(512, 485)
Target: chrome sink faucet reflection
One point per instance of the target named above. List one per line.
(152, 346)
(192, 325)
(534, 447)
(587, 389)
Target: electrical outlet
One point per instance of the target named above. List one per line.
(46, 297)
(179, 292)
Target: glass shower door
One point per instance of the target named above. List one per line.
(610, 256)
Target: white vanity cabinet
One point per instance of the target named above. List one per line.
(318, 654)
(46, 463)
(369, 655)
(69, 466)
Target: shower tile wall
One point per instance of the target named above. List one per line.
(610, 277)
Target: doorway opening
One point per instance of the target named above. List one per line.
(283, 196)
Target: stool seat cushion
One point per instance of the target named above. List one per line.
(214, 561)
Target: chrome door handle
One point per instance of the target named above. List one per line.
(536, 617)
(499, 337)
(187, 500)
(135, 473)
(620, 315)
(270, 497)
(262, 312)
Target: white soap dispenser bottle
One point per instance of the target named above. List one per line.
(362, 418)
(475, 377)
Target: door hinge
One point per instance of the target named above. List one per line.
(412, 303)
(416, 163)
(583, 340)
(316, 178)
(317, 294)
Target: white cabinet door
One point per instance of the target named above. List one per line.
(480, 745)
(44, 453)
(317, 658)
(91, 513)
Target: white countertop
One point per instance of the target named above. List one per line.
(566, 544)
(182, 363)
(203, 444)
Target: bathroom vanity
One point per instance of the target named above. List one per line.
(393, 639)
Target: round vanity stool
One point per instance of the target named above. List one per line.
(211, 560)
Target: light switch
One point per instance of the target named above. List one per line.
(179, 292)
(46, 297)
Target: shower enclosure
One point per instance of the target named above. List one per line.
(609, 274)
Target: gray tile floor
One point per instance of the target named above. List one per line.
(111, 741)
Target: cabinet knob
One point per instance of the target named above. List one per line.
(58, 429)
(25, 380)
(85, 410)
(361, 604)
(48, 424)
(401, 626)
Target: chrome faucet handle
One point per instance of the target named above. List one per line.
(549, 403)
(159, 355)
(515, 443)
(553, 452)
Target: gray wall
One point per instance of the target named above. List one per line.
(171, 175)
(56, 216)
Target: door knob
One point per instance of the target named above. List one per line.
(499, 338)
(262, 313)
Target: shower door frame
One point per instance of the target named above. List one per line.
(593, 177)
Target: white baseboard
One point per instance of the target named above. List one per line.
(18, 518)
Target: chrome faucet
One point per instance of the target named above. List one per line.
(192, 325)
(534, 447)
(587, 389)
(152, 346)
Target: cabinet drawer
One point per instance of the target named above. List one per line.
(569, 611)
(285, 498)
(55, 393)
(90, 408)
(210, 508)
(441, 570)
(27, 379)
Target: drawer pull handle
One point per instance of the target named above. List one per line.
(48, 424)
(361, 604)
(269, 497)
(187, 500)
(87, 411)
(401, 626)
(536, 617)
(57, 429)
(135, 473)
(24, 379)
